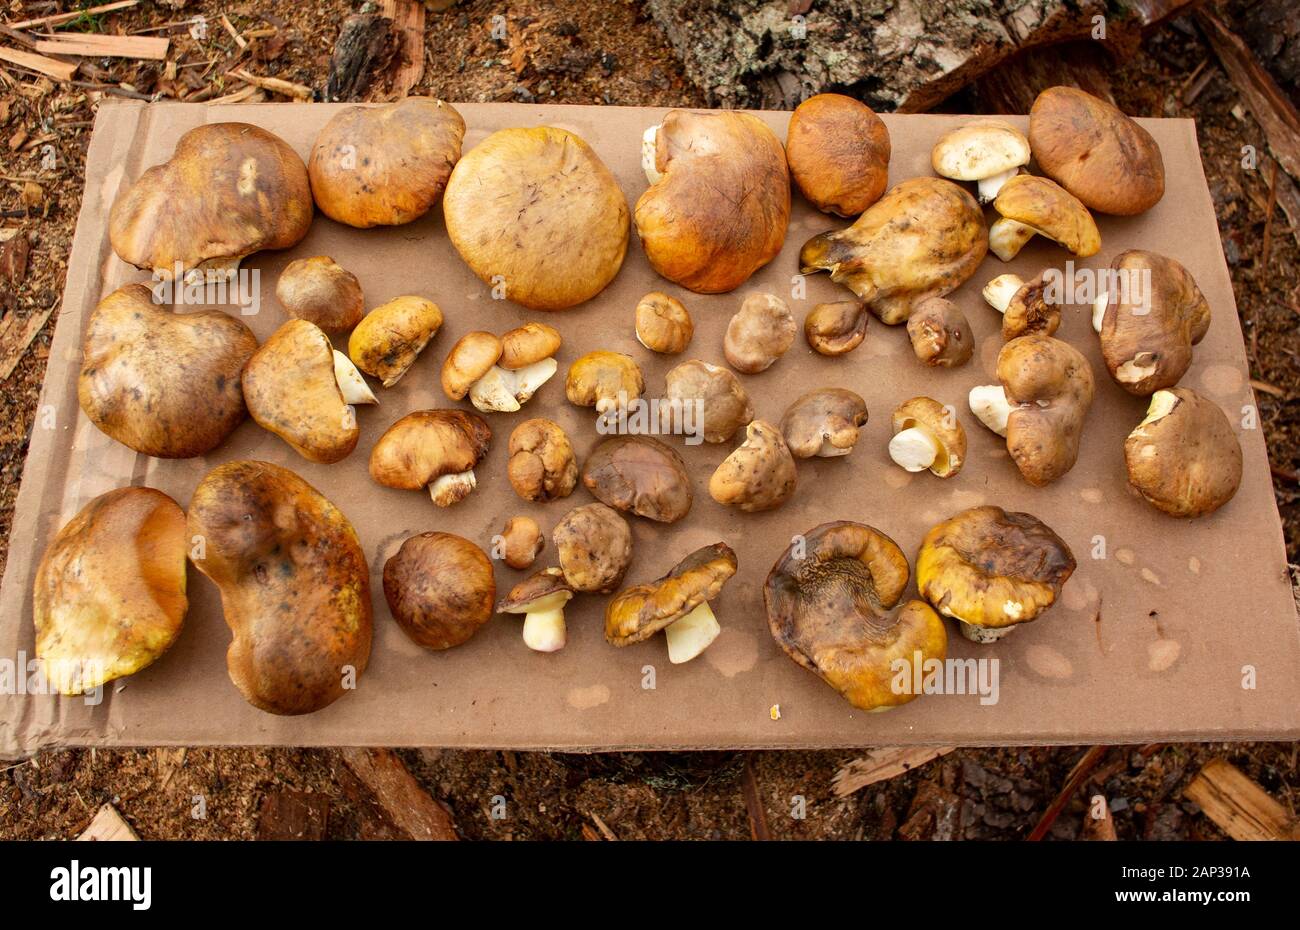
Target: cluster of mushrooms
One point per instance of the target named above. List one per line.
(534, 211)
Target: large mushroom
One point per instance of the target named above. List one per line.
(1031, 206)
(838, 150)
(542, 465)
(640, 475)
(989, 151)
(321, 291)
(594, 545)
(1183, 458)
(823, 423)
(706, 400)
(759, 474)
(440, 589)
(433, 448)
(388, 340)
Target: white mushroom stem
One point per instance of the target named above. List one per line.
(505, 391)
(354, 387)
(649, 144)
(999, 292)
(1099, 310)
(692, 634)
(989, 404)
(988, 187)
(913, 449)
(544, 629)
(449, 489)
(1007, 237)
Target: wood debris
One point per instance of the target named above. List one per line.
(1077, 776)
(103, 46)
(293, 815)
(408, 18)
(12, 347)
(108, 826)
(58, 19)
(60, 70)
(883, 764)
(400, 796)
(274, 85)
(1238, 806)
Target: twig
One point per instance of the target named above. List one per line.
(1072, 783)
(1268, 218)
(754, 802)
(275, 85)
(58, 19)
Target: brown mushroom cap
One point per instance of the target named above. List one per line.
(1184, 457)
(922, 239)
(229, 189)
(1049, 386)
(385, 165)
(547, 583)
(528, 344)
(291, 390)
(440, 589)
(992, 569)
(641, 475)
(759, 474)
(836, 328)
(321, 291)
(726, 405)
(823, 422)
(940, 333)
(554, 226)
(942, 426)
(1048, 210)
(720, 209)
(604, 380)
(109, 597)
(663, 324)
(838, 150)
(1096, 152)
(295, 585)
(760, 332)
(595, 547)
(542, 465)
(425, 445)
(469, 359)
(833, 607)
(522, 541)
(1029, 312)
(388, 340)
(1153, 319)
(637, 613)
(162, 383)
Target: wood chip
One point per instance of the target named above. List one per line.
(13, 259)
(108, 826)
(754, 802)
(104, 46)
(234, 33)
(883, 764)
(1238, 806)
(293, 815)
(408, 17)
(58, 19)
(400, 796)
(604, 829)
(12, 351)
(60, 70)
(274, 85)
(1267, 388)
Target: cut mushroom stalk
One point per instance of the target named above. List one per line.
(989, 404)
(453, 488)
(544, 629)
(354, 387)
(989, 187)
(504, 391)
(913, 449)
(1007, 237)
(999, 292)
(692, 634)
(649, 145)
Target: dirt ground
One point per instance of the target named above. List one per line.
(609, 52)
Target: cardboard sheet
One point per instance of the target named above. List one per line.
(1184, 631)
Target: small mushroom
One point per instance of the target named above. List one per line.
(1184, 458)
(677, 603)
(663, 324)
(991, 570)
(836, 328)
(759, 474)
(989, 151)
(595, 547)
(641, 475)
(542, 466)
(471, 368)
(940, 333)
(541, 598)
(434, 448)
(823, 423)
(761, 331)
(440, 589)
(838, 150)
(1029, 206)
(388, 340)
(521, 542)
(717, 394)
(321, 291)
(1023, 306)
(529, 344)
(605, 380)
(927, 436)
(833, 606)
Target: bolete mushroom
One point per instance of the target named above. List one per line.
(1028, 205)
(109, 596)
(836, 328)
(677, 603)
(922, 239)
(385, 165)
(229, 189)
(542, 466)
(927, 436)
(321, 291)
(838, 150)
(1184, 458)
(759, 474)
(715, 396)
(989, 151)
(294, 582)
(641, 475)
(940, 334)
(302, 389)
(1023, 305)
(991, 570)
(388, 340)
(823, 423)
(663, 324)
(595, 547)
(164, 384)
(521, 542)
(434, 448)
(440, 589)
(719, 198)
(551, 229)
(541, 598)
(528, 345)
(834, 606)
(471, 368)
(605, 380)
(759, 333)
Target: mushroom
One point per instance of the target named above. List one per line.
(761, 331)
(542, 466)
(836, 328)
(388, 340)
(385, 165)
(1184, 458)
(989, 151)
(717, 396)
(608, 381)
(838, 150)
(677, 603)
(437, 448)
(823, 423)
(229, 189)
(321, 291)
(1045, 392)
(1029, 205)
(927, 435)
(1096, 152)
(528, 345)
(521, 542)
(541, 598)
(759, 474)
(922, 239)
(1150, 322)
(109, 596)
(471, 368)
(440, 589)
(991, 570)
(641, 475)
(595, 547)
(719, 200)
(940, 333)
(662, 324)
(1024, 307)
(552, 229)
(162, 383)
(833, 606)
(302, 389)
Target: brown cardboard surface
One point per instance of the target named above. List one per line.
(1152, 642)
